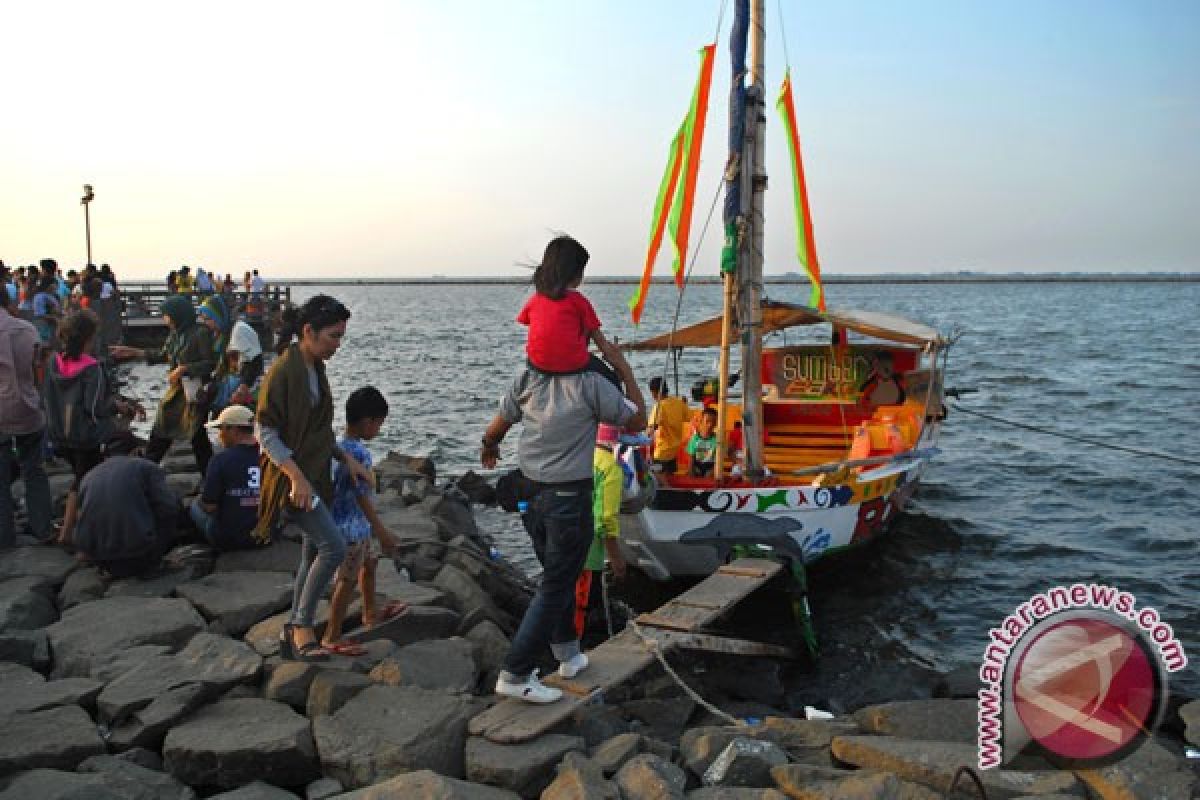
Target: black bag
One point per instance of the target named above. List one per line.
(513, 488)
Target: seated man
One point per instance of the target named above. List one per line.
(127, 516)
(227, 509)
(882, 386)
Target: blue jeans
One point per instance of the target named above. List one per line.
(323, 551)
(559, 524)
(30, 452)
(205, 522)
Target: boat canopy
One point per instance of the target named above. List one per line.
(778, 316)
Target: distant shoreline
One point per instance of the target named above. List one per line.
(710, 280)
(772, 279)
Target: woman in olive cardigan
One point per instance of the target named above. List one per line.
(295, 430)
(189, 353)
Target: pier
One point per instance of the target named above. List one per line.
(142, 323)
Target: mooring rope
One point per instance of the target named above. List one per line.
(1076, 438)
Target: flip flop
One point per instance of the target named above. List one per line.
(344, 648)
(392, 610)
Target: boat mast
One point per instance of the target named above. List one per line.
(750, 251)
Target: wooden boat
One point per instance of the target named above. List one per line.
(837, 430)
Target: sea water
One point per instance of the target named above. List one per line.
(1003, 513)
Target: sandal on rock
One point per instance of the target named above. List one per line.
(345, 648)
(392, 610)
(311, 652)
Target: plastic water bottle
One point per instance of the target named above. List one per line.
(522, 506)
(494, 553)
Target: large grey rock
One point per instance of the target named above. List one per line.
(90, 631)
(82, 586)
(745, 762)
(256, 791)
(933, 764)
(410, 526)
(234, 742)
(18, 698)
(1151, 772)
(742, 793)
(216, 663)
(289, 682)
(24, 604)
(161, 584)
(580, 778)
(386, 730)
(58, 738)
(264, 636)
(663, 717)
(332, 689)
(19, 675)
(239, 600)
(699, 747)
(31, 648)
(453, 517)
(417, 624)
(50, 563)
(110, 666)
(649, 776)
(935, 720)
(464, 593)
(447, 664)
(322, 789)
(525, 768)
(427, 785)
(279, 556)
(612, 754)
(147, 727)
(491, 645)
(54, 784)
(807, 782)
(135, 782)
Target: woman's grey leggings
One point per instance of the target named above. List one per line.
(322, 553)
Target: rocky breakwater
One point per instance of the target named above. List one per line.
(172, 687)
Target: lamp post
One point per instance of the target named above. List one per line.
(88, 196)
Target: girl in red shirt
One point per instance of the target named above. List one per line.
(561, 320)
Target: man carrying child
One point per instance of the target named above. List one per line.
(365, 535)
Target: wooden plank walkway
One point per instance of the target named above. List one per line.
(510, 721)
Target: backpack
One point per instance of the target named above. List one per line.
(70, 422)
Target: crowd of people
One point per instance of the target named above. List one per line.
(278, 444)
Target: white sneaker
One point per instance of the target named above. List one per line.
(572, 667)
(530, 690)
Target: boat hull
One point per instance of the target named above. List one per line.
(823, 520)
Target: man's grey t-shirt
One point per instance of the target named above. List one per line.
(559, 415)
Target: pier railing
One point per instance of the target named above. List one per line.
(141, 310)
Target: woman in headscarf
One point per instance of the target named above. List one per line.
(237, 352)
(295, 428)
(189, 353)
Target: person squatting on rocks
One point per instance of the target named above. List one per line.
(81, 414)
(560, 414)
(295, 429)
(188, 351)
(22, 425)
(363, 531)
(226, 512)
(128, 516)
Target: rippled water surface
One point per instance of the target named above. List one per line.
(1003, 513)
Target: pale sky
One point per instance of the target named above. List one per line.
(412, 138)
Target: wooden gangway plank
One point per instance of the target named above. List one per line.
(616, 660)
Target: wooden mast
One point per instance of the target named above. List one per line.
(750, 255)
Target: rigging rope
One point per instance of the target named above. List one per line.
(1076, 438)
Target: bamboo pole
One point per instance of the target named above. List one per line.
(723, 391)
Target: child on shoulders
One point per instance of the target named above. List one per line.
(561, 320)
(365, 535)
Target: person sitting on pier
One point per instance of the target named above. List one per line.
(189, 353)
(227, 509)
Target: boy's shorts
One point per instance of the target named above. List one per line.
(357, 554)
